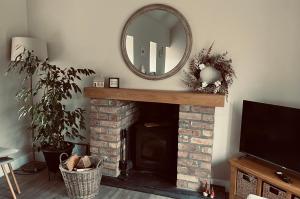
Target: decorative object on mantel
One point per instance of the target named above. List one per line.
(114, 82)
(99, 81)
(210, 73)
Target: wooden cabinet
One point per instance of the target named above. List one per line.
(250, 175)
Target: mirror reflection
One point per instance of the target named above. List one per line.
(155, 42)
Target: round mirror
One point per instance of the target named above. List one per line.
(156, 42)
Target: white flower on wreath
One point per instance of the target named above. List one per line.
(227, 77)
(218, 83)
(202, 66)
(216, 90)
(204, 84)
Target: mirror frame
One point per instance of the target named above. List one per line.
(188, 47)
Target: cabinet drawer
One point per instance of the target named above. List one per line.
(246, 184)
(272, 192)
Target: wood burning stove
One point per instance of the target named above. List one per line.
(154, 140)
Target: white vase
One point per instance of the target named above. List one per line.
(210, 75)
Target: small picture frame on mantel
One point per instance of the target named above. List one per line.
(114, 82)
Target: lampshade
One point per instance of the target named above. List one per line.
(38, 47)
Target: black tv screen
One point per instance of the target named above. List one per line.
(272, 133)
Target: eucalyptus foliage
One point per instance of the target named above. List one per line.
(44, 100)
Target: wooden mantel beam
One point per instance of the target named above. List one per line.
(159, 96)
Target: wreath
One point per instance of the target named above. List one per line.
(218, 66)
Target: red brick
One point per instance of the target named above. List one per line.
(207, 150)
(188, 178)
(203, 109)
(109, 151)
(109, 138)
(113, 159)
(185, 108)
(112, 166)
(202, 141)
(114, 145)
(183, 138)
(194, 186)
(96, 143)
(190, 116)
(187, 162)
(110, 124)
(205, 165)
(186, 146)
(202, 173)
(208, 117)
(93, 109)
(182, 184)
(183, 154)
(103, 109)
(202, 125)
(114, 117)
(200, 156)
(94, 150)
(191, 132)
(186, 124)
(98, 130)
(182, 170)
(207, 133)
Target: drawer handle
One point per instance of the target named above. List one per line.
(274, 191)
(245, 177)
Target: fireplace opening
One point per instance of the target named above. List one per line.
(154, 140)
(151, 146)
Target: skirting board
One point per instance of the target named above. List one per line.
(224, 183)
(18, 162)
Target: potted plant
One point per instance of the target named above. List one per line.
(45, 102)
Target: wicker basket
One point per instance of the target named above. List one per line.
(83, 184)
(272, 192)
(246, 184)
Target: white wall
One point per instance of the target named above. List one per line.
(261, 36)
(13, 22)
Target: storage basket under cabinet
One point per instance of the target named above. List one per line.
(296, 197)
(246, 184)
(272, 192)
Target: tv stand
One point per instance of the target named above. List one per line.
(250, 175)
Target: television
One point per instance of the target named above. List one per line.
(271, 133)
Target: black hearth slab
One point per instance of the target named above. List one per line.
(162, 188)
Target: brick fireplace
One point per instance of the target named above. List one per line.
(195, 133)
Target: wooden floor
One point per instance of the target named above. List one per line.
(37, 186)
